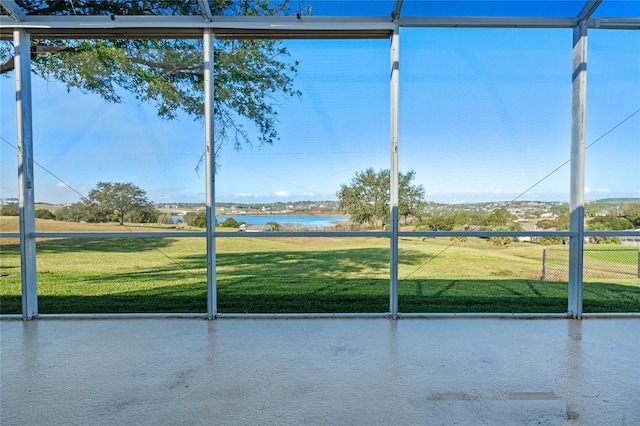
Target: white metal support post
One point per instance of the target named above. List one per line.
(209, 155)
(394, 192)
(576, 201)
(22, 43)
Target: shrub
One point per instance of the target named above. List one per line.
(547, 224)
(9, 211)
(230, 223)
(44, 214)
(436, 223)
(459, 239)
(551, 241)
(501, 241)
(274, 226)
(610, 223)
(201, 220)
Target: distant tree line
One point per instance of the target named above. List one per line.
(365, 199)
(501, 220)
(498, 220)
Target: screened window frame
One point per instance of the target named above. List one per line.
(22, 28)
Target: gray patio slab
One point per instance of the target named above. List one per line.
(320, 372)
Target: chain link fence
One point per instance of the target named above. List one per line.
(598, 263)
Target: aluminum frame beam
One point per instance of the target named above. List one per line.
(486, 22)
(209, 160)
(26, 198)
(206, 10)
(331, 234)
(394, 190)
(271, 26)
(12, 8)
(397, 9)
(192, 26)
(614, 23)
(576, 197)
(588, 9)
(516, 22)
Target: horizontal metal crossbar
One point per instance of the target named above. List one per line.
(612, 233)
(193, 26)
(315, 234)
(486, 22)
(485, 234)
(276, 27)
(276, 316)
(319, 234)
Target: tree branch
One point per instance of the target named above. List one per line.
(170, 69)
(37, 49)
(8, 65)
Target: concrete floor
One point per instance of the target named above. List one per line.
(320, 371)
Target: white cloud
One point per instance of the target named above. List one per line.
(308, 194)
(244, 195)
(282, 194)
(70, 185)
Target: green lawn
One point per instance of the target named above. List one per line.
(615, 254)
(290, 275)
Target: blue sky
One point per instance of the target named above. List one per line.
(484, 115)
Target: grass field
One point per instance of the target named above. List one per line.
(615, 253)
(291, 275)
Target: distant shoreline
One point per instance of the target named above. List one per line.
(320, 221)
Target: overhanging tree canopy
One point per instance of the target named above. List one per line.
(251, 76)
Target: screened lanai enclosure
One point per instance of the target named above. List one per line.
(499, 115)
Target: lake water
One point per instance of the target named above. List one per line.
(310, 221)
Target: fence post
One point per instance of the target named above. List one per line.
(544, 264)
(638, 263)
